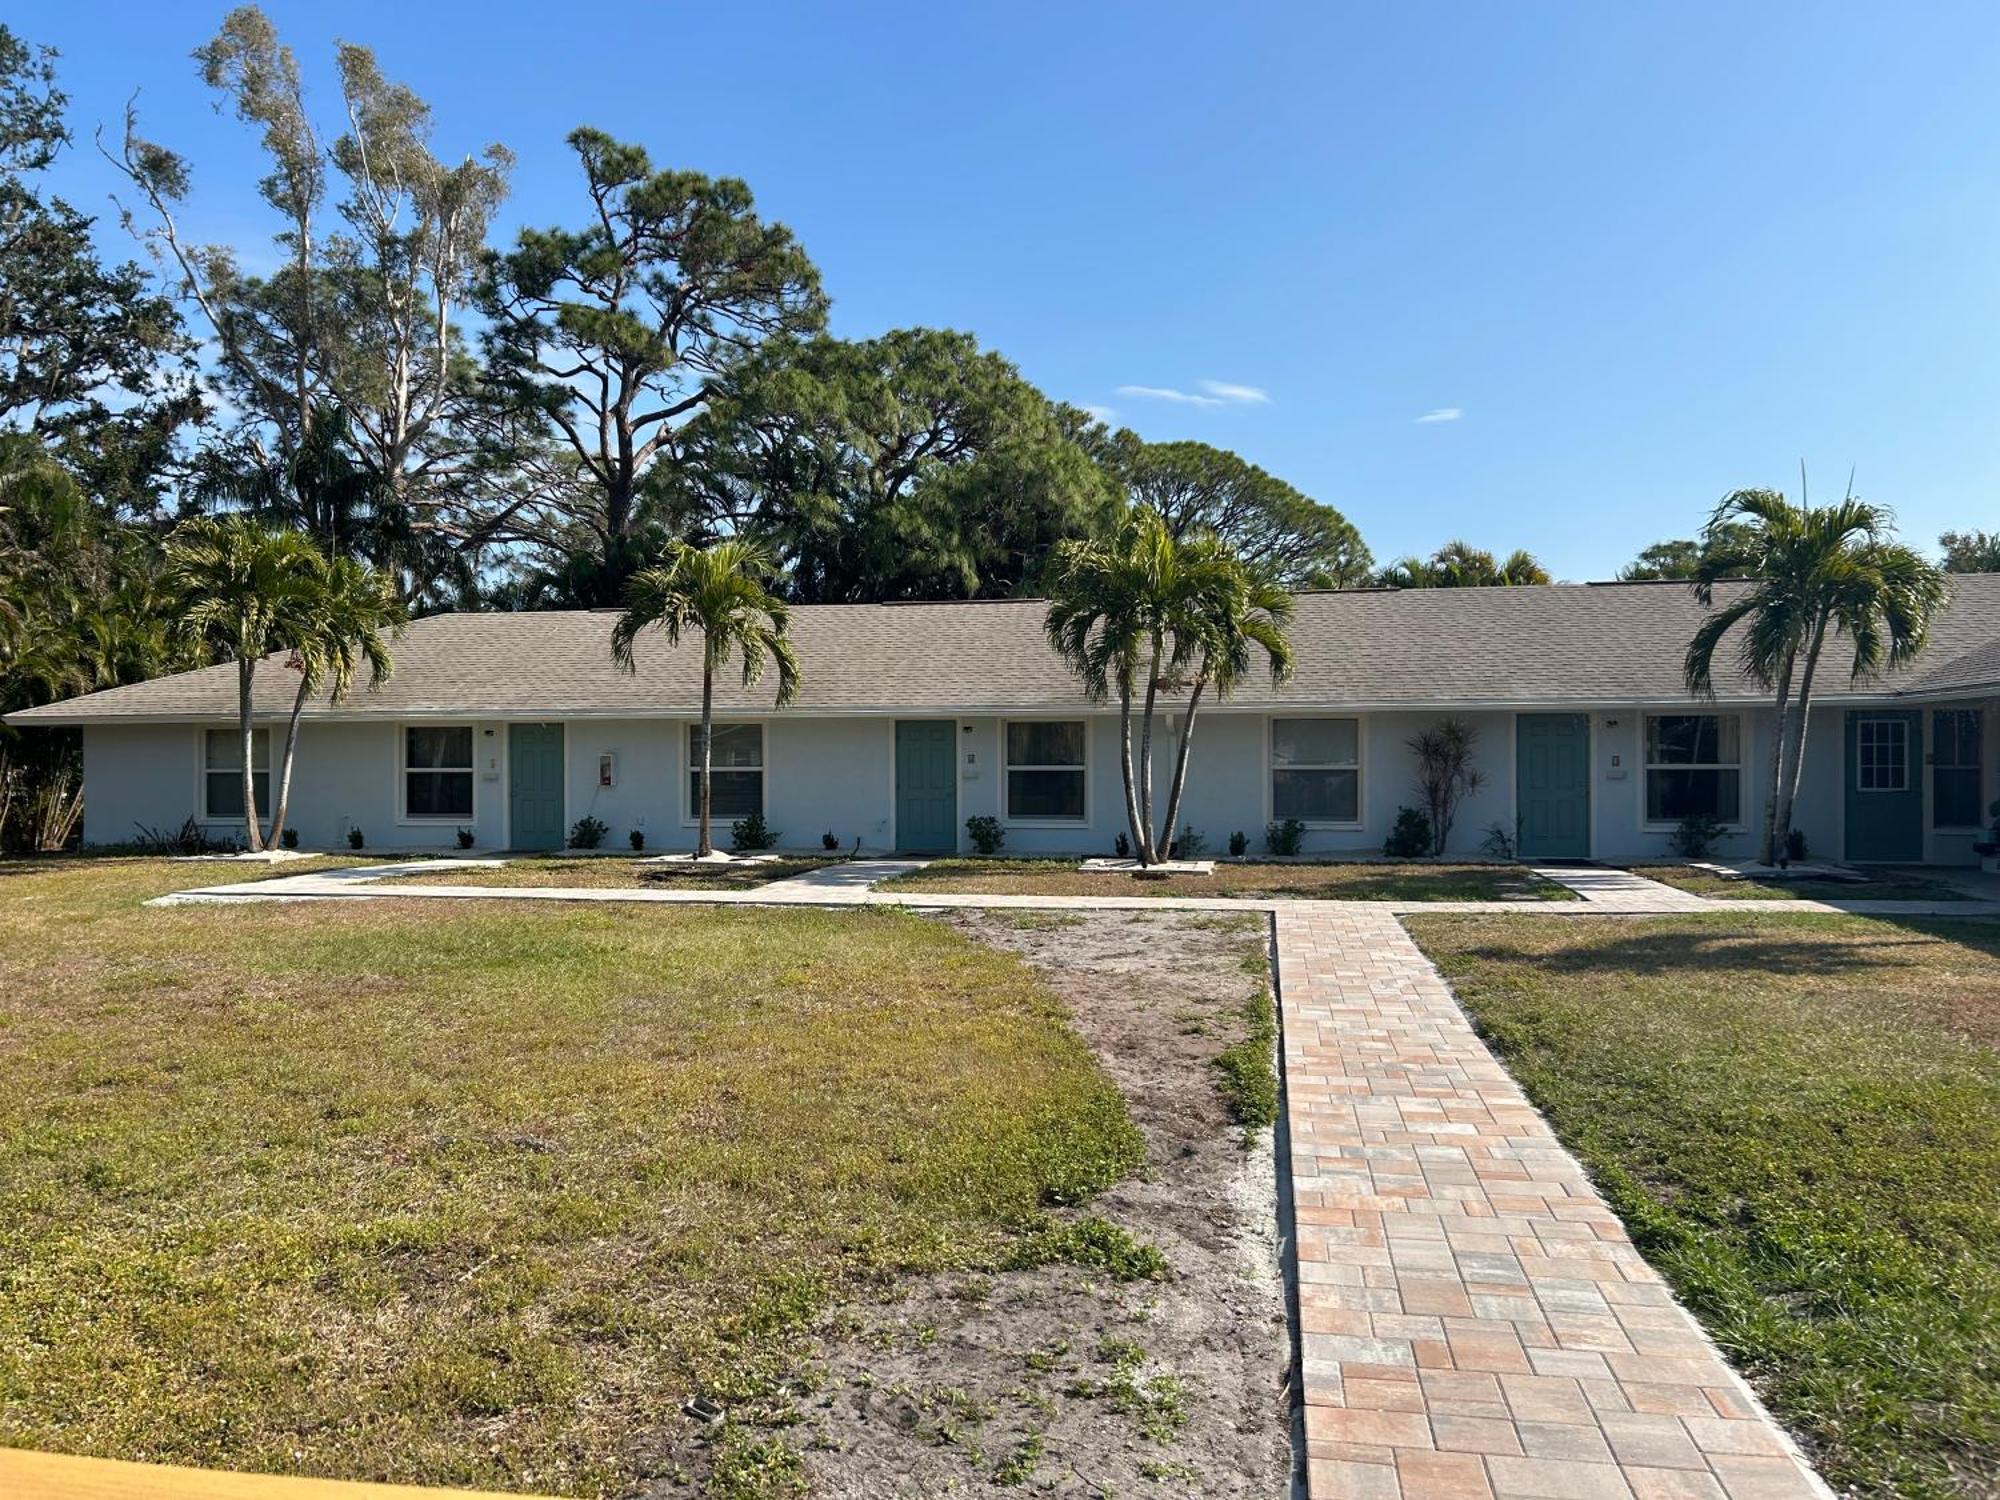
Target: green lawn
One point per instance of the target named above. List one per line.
(622, 872)
(1349, 881)
(482, 1199)
(1722, 887)
(1799, 1118)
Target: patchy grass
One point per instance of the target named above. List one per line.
(1351, 880)
(1799, 1118)
(482, 1196)
(1248, 1067)
(618, 872)
(1722, 887)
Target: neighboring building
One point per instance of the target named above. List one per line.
(912, 718)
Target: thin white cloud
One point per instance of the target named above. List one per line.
(1212, 393)
(1443, 414)
(1222, 390)
(1103, 414)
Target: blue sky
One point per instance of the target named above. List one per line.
(1628, 257)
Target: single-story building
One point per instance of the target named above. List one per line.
(912, 718)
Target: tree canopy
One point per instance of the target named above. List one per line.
(1459, 565)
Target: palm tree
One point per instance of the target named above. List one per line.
(245, 591)
(1185, 614)
(1460, 565)
(1807, 570)
(720, 591)
(340, 625)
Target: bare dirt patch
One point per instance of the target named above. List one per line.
(1060, 1379)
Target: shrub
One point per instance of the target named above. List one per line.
(986, 834)
(1795, 846)
(189, 838)
(1411, 836)
(1122, 847)
(465, 838)
(588, 833)
(1284, 838)
(748, 835)
(1499, 841)
(1188, 846)
(637, 839)
(1445, 776)
(1696, 835)
(289, 839)
(828, 842)
(1239, 843)
(355, 839)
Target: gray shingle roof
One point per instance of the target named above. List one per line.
(1563, 643)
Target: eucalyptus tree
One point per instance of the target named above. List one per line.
(1807, 571)
(613, 331)
(377, 247)
(244, 591)
(1144, 612)
(720, 593)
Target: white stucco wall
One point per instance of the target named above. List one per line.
(837, 775)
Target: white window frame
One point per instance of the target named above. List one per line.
(201, 771)
(1977, 765)
(1007, 768)
(690, 768)
(1359, 768)
(1902, 727)
(1647, 765)
(404, 771)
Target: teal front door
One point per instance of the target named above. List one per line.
(926, 785)
(535, 786)
(1885, 790)
(1552, 785)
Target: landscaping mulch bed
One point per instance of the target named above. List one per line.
(1351, 880)
(1064, 1379)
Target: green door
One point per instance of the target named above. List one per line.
(1552, 785)
(1885, 790)
(535, 786)
(926, 785)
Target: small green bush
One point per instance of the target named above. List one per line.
(986, 834)
(588, 833)
(1286, 838)
(465, 838)
(751, 834)
(354, 838)
(1411, 837)
(828, 841)
(289, 838)
(1696, 835)
(1189, 845)
(1239, 844)
(637, 839)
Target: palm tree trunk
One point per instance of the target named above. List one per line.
(253, 828)
(283, 803)
(1148, 855)
(703, 847)
(1180, 768)
(1132, 819)
(1793, 772)
(1779, 739)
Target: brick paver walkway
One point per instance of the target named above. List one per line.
(1473, 1321)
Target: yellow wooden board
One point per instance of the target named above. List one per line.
(59, 1476)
